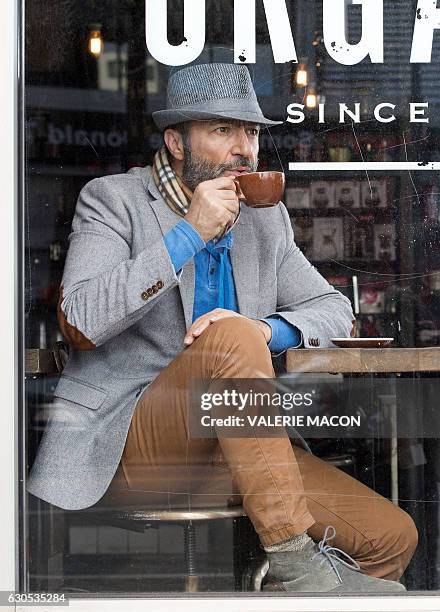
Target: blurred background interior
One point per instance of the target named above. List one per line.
(90, 87)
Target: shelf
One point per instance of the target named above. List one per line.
(61, 170)
(342, 212)
(355, 263)
(341, 175)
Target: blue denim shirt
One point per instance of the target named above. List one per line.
(183, 242)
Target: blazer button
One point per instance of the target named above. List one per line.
(159, 284)
(155, 288)
(144, 296)
(150, 291)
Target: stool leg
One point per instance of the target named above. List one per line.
(192, 580)
(240, 549)
(258, 575)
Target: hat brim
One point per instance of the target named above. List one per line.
(166, 118)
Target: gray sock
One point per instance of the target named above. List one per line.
(293, 544)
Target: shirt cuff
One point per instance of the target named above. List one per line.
(284, 335)
(182, 243)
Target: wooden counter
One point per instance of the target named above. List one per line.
(344, 360)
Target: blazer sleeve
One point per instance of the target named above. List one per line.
(104, 290)
(305, 299)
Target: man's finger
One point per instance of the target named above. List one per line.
(197, 321)
(231, 205)
(227, 194)
(196, 329)
(204, 321)
(202, 318)
(206, 315)
(224, 182)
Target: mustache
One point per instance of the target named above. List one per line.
(241, 161)
(196, 170)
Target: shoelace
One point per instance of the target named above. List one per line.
(333, 554)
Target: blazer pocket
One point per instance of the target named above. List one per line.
(80, 392)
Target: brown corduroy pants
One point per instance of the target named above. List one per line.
(284, 490)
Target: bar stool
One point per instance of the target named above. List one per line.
(140, 519)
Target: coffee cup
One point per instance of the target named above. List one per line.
(260, 189)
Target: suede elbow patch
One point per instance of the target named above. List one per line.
(72, 335)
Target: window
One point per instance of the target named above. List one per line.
(372, 231)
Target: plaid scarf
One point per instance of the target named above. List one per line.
(171, 188)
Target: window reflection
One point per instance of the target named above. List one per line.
(373, 235)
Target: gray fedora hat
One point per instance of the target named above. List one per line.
(209, 91)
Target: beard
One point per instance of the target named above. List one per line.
(196, 170)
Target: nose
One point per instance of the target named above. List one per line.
(242, 145)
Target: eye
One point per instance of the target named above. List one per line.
(223, 129)
(253, 131)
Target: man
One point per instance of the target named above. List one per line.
(167, 281)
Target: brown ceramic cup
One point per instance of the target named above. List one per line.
(261, 189)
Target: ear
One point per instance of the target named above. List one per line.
(174, 142)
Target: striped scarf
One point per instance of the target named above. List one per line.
(175, 193)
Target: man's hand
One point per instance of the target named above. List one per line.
(213, 207)
(200, 324)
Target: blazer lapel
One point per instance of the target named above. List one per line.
(167, 219)
(245, 266)
(186, 286)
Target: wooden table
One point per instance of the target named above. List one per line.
(39, 362)
(343, 361)
(398, 361)
(367, 361)
(364, 361)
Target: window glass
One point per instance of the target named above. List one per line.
(359, 147)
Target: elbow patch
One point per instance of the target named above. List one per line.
(72, 335)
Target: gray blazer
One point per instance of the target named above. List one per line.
(122, 293)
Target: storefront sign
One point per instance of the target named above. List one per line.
(427, 19)
(67, 134)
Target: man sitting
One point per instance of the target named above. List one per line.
(167, 281)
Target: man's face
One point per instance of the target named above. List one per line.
(219, 148)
